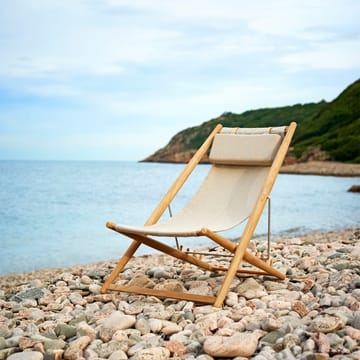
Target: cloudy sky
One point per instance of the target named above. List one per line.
(115, 79)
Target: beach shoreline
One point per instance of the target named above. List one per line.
(59, 313)
(53, 271)
(292, 166)
(323, 168)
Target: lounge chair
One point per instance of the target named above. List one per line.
(245, 164)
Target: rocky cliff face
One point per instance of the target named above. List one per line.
(182, 146)
(169, 156)
(173, 152)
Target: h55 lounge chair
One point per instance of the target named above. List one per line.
(245, 164)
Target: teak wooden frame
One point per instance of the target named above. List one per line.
(238, 250)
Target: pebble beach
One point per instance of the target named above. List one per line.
(313, 314)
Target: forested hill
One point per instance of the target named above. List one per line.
(326, 131)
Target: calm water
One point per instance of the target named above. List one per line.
(54, 213)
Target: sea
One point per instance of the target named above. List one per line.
(53, 213)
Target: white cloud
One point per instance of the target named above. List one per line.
(53, 90)
(206, 103)
(106, 38)
(337, 56)
(37, 65)
(26, 67)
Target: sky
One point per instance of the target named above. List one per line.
(116, 79)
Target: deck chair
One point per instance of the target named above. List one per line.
(245, 164)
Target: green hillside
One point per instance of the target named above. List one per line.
(336, 128)
(332, 129)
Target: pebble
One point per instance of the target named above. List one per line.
(143, 326)
(322, 342)
(118, 355)
(94, 288)
(116, 321)
(231, 299)
(75, 349)
(353, 333)
(77, 299)
(300, 308)
(84, 329)
(31, 293)
(176, 348)
(171, 329)
(66, 331)
(155, 325)
(155, 353)
(325, 324)
(28, 355)
(250, 289)
(106, 349)
(313, 314)
(270, 324)
(240, 344)
(309, 345)
(355, 320)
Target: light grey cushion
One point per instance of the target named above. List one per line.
(234, 149)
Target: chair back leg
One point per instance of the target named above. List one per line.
(255, 215)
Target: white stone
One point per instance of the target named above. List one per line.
(240, 344)
(143, 326)
(76, 347)
(155, 325)
(155, 353)
(86, 280)
(83, 329)
(279, 304)
(231, 299)
(77, 299)
(325, 324)
(118, 355)
(171, 329)
(250, 289)
(94, 288)
(26, 355)
(116, 321)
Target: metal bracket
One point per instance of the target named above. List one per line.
(268, 229)
(176, 239)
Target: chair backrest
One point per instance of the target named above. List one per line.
(241, 163)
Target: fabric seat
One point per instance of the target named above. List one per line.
(227, 206)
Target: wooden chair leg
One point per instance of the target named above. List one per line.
(255, 215)
(248, 257)
(120, 265)
(253, 260)
(201, 299)
(234, 266)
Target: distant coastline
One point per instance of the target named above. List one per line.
(326, 168)
(315, 167)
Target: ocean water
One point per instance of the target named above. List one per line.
(54, 213)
